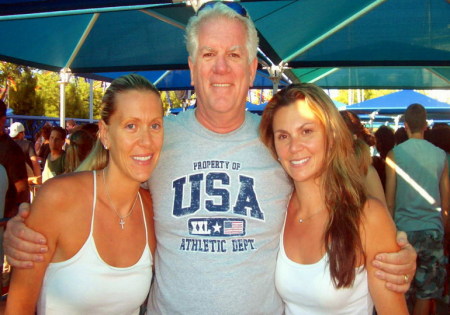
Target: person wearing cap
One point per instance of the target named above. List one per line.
(13, 160)
(17, 132)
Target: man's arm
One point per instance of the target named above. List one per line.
(444, 190)
(22, 245)
(391, 182)
(23, 194)
(397, 269)
(36, 166)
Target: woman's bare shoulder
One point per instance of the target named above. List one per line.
(62, 191)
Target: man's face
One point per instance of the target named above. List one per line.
(221, 73)
(56, 141)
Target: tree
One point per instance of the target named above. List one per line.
(48, 93)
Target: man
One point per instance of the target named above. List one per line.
(13, 176)
(71, 126)
(54, 165)
(219, 197)
(417, 191)
(13, 160)
(17, 132)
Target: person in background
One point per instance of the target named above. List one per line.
(385, 141)
(98, 224)
(440, 137)
(44, 148)
(54, 165)
(363, 140)
(216, 209)
(400, 135)
(3, 189)
(71, 127)
(17, 132)
(332, 230)
(81, 143)
(91, 128)
(417, 191)
(13, 160)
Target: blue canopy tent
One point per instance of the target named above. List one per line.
(393, 105)
(399, 43)
(258, 109)
(172, 80)
(392, 44)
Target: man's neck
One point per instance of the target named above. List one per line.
(222, 123)
(416, 135)
(55, 154)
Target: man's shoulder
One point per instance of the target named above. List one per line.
(8, 146)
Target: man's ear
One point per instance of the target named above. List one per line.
(191, 68)
(406, 126)
(253, 68)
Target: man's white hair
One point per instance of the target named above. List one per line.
(217, 11)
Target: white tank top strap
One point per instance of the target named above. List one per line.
(143, 216)
(94, 203)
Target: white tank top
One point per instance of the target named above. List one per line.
(85, 284)
(308, 289)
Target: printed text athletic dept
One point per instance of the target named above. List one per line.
(210, 182)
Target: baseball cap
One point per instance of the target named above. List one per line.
(15, 129)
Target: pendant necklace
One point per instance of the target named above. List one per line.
(122, 218)
(309, 217)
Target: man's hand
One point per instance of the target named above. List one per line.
(397, 269)
(22, 245)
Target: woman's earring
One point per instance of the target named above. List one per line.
(105, 146)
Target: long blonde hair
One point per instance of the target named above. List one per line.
(341, 179)
(99, 156)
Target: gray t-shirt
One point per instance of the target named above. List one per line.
(219, 204)
(417, 198)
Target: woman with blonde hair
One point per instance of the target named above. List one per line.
(362, 141)
(332, 229)
(80, 145)
(98, 224)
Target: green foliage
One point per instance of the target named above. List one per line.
(48, 93)
(37, 93)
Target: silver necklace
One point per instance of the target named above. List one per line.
(122, 219)
(309, 217)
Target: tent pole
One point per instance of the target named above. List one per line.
(333, 30)
(91, 100)
(64, 76)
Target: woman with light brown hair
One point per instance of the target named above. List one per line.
(332, 229)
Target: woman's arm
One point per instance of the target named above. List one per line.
(391, 182)
(26, 284)
(378, 234)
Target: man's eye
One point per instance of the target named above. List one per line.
(156, 126)
(130, 126)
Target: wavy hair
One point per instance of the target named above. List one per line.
(363, 139)
(341, 179)
(99, 156)
(219, 10)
